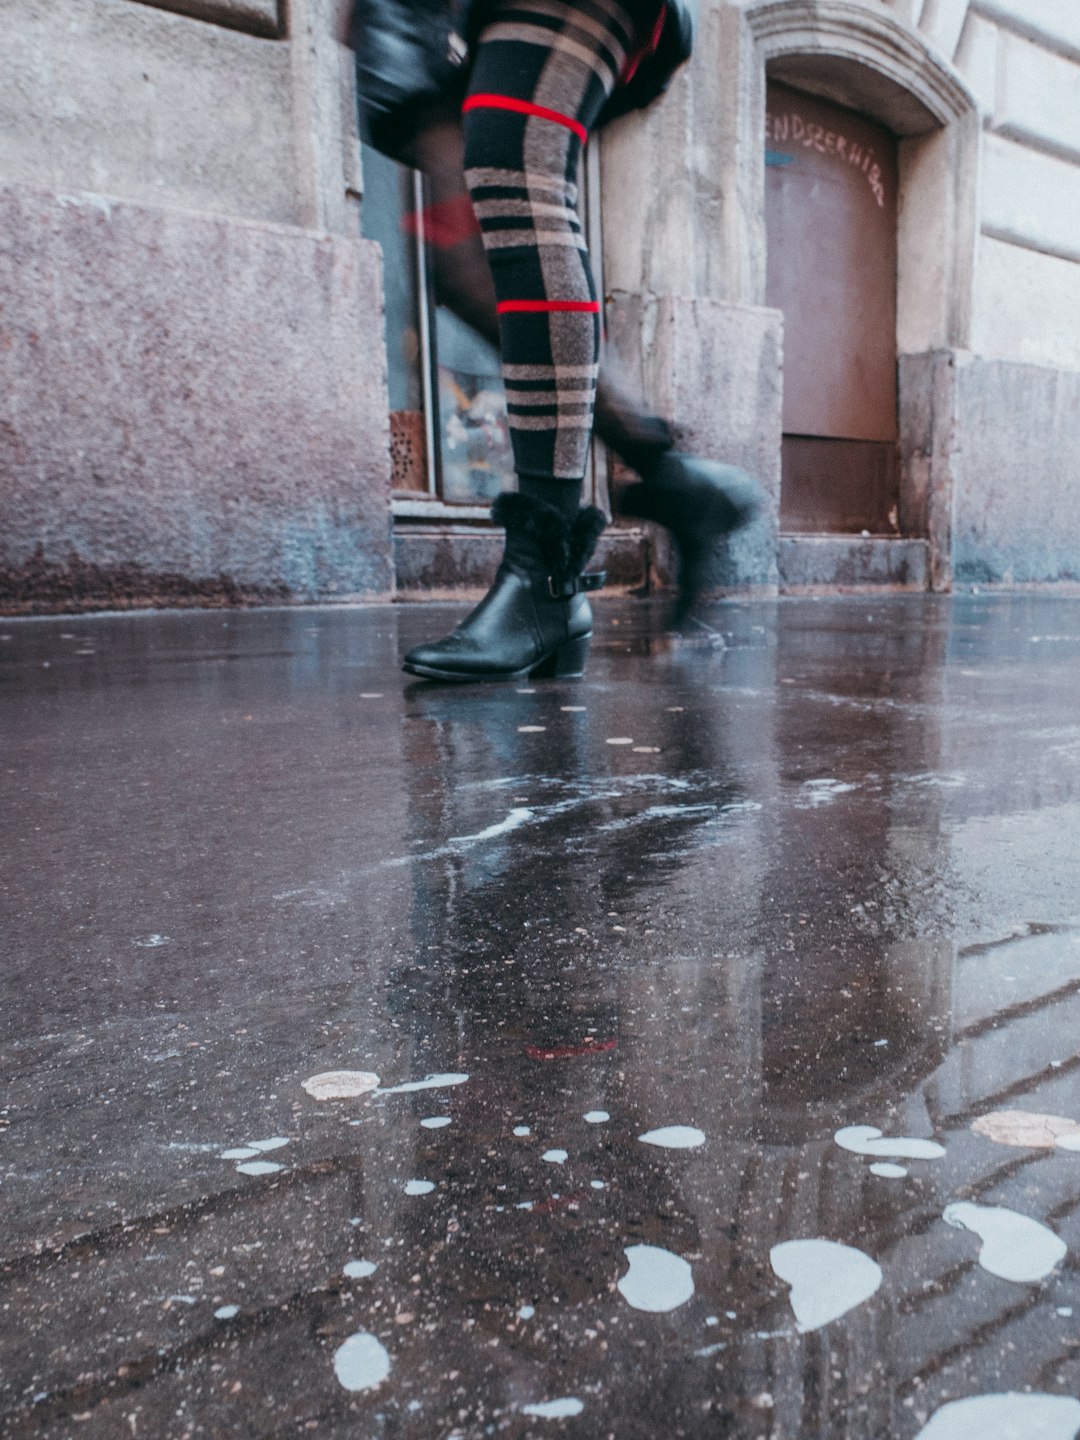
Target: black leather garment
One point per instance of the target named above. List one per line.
(536, 619)
(413, 59)
(698, 501)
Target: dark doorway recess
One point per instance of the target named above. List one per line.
(832, 183)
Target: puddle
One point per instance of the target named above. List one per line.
(259, 1167)
(887, 1171)
(657, 1280)
(827, 1279)
(868, 1140)
(674, 1137)
(1014, 1247)
(555, 1157)
(435, 1122)
(226, 1312)
(502, 827)
(361, 1362)
(1006, 1417)
(340, 1084)
(821, 792)
(596, 1117)
(419, 1187)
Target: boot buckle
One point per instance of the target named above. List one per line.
(575, 585)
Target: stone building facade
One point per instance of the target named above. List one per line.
(200, 355)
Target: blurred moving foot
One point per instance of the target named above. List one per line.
(698, 501)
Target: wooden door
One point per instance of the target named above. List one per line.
(831, 209)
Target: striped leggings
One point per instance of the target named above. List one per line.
(542, 72)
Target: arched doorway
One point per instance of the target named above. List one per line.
(831, 199)
(868, 66)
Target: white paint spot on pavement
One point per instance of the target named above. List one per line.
(868, 1140)
(226, 1312)
(522, 1130)
(430, 1082)
(361, 1362)
(1006, 1417)
(657, 1280)
(1027, 1130)
(436, 1122)
(674, 1137)
(555, 1157)
(419, 1187)
(596, 1117)
(1014, 1247)
(560, 1409)
(359, 1269)
(827, 1279)
(887, 1171)
(340, 1084)
(526, 1312)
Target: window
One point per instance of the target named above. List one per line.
(450, 444)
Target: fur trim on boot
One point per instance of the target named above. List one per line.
(533, 526)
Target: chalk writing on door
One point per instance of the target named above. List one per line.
(790, 128)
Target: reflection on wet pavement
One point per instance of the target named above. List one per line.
(686, 1051)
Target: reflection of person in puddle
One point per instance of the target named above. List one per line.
(499, 137)
(521, 979)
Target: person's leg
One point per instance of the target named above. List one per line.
(463, 282)
(542, 72)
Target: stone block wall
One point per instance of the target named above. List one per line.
(192, 367)
(183, 408)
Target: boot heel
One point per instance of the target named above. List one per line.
(565, 663)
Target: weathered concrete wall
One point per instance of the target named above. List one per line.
(1022, 58)
(188, 397)
(135, 102)
(992, 454)
(1017, 474)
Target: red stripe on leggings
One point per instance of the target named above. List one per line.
(524, 107)
(546, 307)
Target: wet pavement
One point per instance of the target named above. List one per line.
(740, 976)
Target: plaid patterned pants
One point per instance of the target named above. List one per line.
(542, 73)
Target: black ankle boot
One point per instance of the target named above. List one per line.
(535, 619)
(698, 501)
